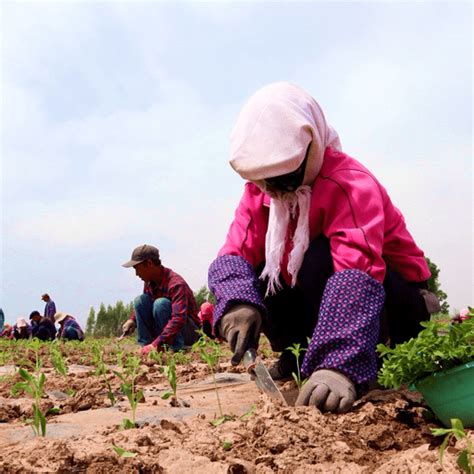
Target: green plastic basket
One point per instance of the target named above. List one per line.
(450, 394)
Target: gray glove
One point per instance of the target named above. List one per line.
(328, 390)
(431, 301)
(240, 327)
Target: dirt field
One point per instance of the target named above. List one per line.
(387, 432)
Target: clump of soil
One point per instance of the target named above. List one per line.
(9, 411)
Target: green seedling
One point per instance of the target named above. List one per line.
(296, 350)
(58, 361)
(222, 419)
(102, 370)
(128, 376)
(227, 445)
(210, 352)
(26, 347)
(183, 358)
(96, 353)
(33, 384)
(128, 424)
(170, 372)
(4, 379)
(457, 431)
(156, 356)
(123, 452)
(24, 362)
(120, 356)
(248, 414)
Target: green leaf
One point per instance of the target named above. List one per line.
(249, 413)
(456, 423)
(126, 389)
(18, 388)
(166, 395)
(440, 431)
(54, 411)
(226, 445)
(39, 420)
(111, 397)
(43, 423)
(42, 380)
(36, 419)
(123, 452)
(138, 396)
(464, 461)
(221, 419)
(128, 424)
(120, 376)
(25, 375)
(442, 448)
(218, 421)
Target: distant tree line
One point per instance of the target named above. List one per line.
(108, 320)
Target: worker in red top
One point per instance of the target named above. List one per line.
(7, 331)
(206, 315)
(166, 313)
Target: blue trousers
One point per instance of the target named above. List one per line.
(71, 334)
(151, 319)
(44, 334)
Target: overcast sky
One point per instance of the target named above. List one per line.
(116, 119)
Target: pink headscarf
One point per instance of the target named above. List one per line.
(276, 128)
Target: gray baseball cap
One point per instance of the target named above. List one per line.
(142, 253)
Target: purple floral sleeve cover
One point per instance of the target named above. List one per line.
(347, 331)
(233, 281)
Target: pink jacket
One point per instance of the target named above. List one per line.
(351, 208)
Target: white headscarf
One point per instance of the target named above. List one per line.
(271, 137)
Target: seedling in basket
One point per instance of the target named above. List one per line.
(440, 346)
(128, 377)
